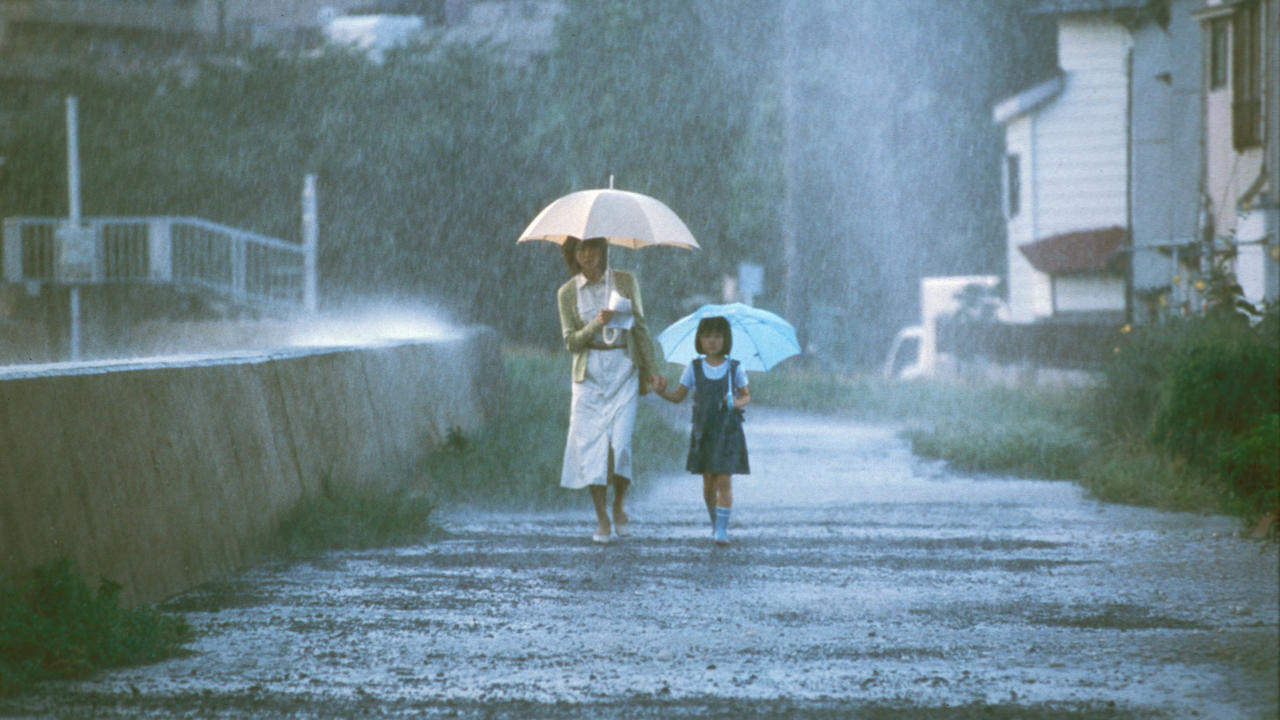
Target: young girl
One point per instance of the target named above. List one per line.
(717, 447)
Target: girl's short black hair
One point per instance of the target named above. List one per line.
(714, 324)
(570, 247)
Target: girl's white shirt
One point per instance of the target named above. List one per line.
(713, 372)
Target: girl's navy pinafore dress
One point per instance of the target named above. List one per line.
(716, 443)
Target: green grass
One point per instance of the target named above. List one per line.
(514, 461)
(53, 626)
(1022, 446)
(1027, 431)
(1139, 474)
(987, 428)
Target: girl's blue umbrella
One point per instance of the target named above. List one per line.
(761, 339)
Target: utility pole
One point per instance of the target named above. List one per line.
(72, 240)
(791, 281)
(310, 244)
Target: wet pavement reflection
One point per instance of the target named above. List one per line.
(861, 581)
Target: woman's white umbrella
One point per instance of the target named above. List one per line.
(625, 219)
(761, 339)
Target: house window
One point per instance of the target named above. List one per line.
(1013, 185)
(1246, 76)
(1218, 53)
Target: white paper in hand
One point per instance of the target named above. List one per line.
(621, 307)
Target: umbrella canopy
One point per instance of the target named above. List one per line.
(624, 218)
(761, 339)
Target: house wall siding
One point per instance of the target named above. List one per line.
(1029, 289)
(1081, 138)
(1228, 172)
(1075, 159)
(1089, 293)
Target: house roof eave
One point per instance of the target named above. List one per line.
(1131, 13)
(1077, 7)
(1080, 251)
(1028, 100)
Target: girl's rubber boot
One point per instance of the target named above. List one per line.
(722, 526)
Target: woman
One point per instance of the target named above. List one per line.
(609, 375)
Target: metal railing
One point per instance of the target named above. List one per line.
(183, 251)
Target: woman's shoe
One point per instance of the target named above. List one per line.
(600, 538)
(623, 529)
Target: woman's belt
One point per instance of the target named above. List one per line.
(597, 346)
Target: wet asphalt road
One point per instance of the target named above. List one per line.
(862, 582)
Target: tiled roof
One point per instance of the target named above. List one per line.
(1076, 252)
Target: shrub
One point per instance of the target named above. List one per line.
(1250, 465)
(53, 626)
(1216, 385)
(1203, 391)
(1124, 403)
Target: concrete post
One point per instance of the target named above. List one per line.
(239, 266)
(12, 251)
(159, 249)
(73, 163)
(75, 323)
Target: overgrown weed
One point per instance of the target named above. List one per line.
(356, 519)
(52, 625)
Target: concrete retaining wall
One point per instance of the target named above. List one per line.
(166, 474)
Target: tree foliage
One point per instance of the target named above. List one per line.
(431, 163)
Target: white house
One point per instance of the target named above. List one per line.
(1241, 104)
(1066, 178)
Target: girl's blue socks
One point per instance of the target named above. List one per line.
(721, 532)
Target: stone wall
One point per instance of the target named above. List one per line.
(161, 475)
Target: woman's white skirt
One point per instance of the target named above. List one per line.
(602, 416)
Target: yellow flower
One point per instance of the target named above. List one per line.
(1177, 279)
(1115, 350)
(1200, 285)
(1127, 327)
(1164, 300)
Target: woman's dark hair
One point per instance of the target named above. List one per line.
(570, 247)
(716, 324)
